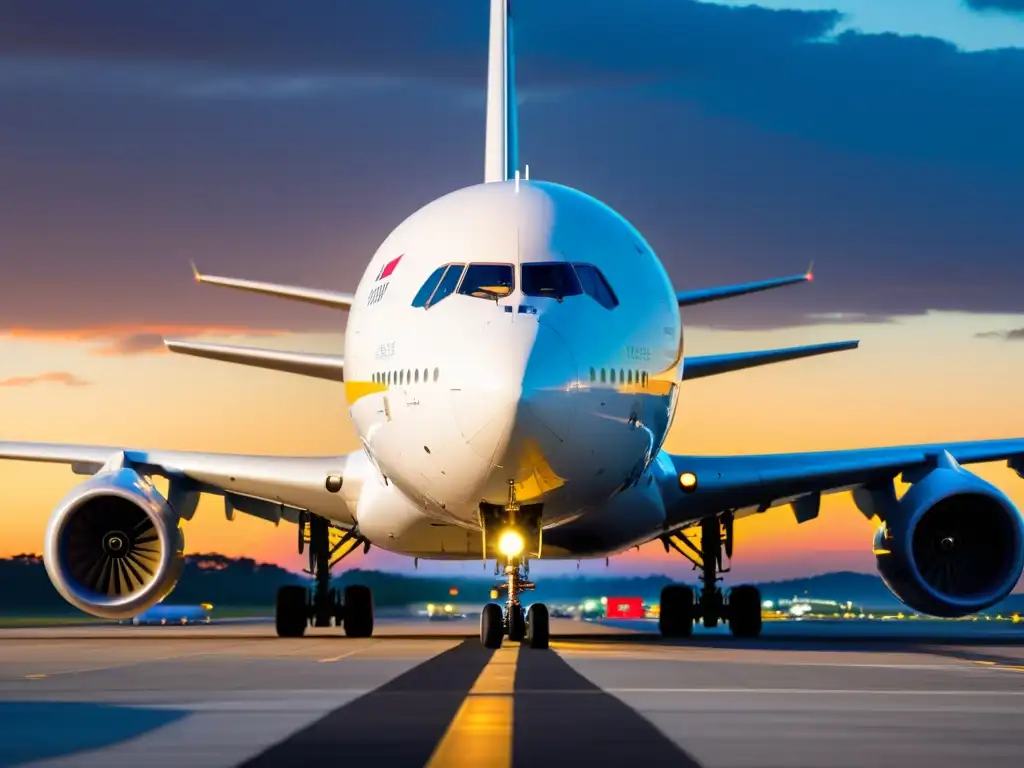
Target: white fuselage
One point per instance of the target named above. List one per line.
(568, 399)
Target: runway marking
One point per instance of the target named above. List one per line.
(480, 734)
(398, 724)
(107, 668)
(346, 655)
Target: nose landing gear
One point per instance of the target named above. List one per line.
(495, 624)
(679, 608)
(298, 607)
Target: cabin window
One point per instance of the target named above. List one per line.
(595, 285)
(488, 281)
(554, 280)
(449, 282)
(437, 373)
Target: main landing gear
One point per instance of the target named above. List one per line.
(298, 607)
(680, 609)
(495, 624)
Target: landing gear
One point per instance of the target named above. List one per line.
(534, 627)
(298, 607)
(492, 626)
(679, 607)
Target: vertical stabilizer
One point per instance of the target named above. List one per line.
(502, 142)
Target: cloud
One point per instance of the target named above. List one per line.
(125, 340)
(1017, 334)
(748, 142)
(53, 377)
(1004, 6)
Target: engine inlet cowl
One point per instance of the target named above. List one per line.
(955, 546)
(113, 546)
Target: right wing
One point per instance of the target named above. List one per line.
(270, 487)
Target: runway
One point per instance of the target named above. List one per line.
(426, 694)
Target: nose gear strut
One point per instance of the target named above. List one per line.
(494, 623)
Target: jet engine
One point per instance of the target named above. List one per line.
(114, 546)
(952, 546)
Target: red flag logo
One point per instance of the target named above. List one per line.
(389, 268)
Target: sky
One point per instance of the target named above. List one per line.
(874, 137)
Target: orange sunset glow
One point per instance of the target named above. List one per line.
(921, 379)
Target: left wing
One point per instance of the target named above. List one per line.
(751, 484)
(270, 487)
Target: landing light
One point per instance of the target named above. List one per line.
(688, 482)
(511, 544)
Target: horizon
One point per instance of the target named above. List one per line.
(752, 147)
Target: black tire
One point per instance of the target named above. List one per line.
(538, 626)
(677, 611)
(516, 624)
(492, 626)
(291, 612)
(358, 610)
(745, 611)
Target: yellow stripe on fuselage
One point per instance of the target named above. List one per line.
(480, 735)
(354, 390)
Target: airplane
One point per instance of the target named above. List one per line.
(513, 360)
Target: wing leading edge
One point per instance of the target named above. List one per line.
(750, 484)
(270, 487)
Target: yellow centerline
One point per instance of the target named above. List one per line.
(480, 734)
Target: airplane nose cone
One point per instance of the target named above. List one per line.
(520, 424)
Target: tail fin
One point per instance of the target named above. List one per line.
(502, 142)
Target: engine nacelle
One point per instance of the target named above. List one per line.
(954, 545)
(113, 546)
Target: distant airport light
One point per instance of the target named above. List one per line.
(688, 482)
(511, 544)
(453, 591)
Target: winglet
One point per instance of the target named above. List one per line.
(195, 271)
(810, 272)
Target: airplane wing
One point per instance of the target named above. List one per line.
(270, 487)
(698, 486)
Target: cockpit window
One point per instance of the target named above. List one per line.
(424, 293)
(448, 283)
(554, 279)
(595, 285)
(488, 281)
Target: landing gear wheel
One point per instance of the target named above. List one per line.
(291, 613)
(492, 626)
(516, 624)
(677, 611)
(745, 611)
(358, 611)
(538, 626)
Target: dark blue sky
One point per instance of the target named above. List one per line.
(283, 140)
